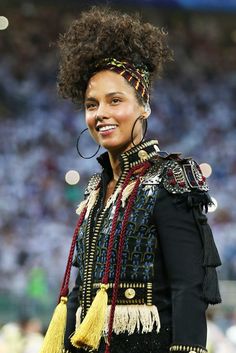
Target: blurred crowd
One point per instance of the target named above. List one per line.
(21, 337)
(26, 336)
(193, 111)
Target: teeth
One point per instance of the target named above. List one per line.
(108, 127)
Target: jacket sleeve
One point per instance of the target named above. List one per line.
(190, 258)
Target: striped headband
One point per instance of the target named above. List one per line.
(137, 76)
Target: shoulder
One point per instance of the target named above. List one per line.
(177, 175)
(93, 183)
(90, 193)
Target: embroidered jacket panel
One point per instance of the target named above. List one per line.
(140, 240)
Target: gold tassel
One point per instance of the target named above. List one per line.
(54, 339)
(89, 333)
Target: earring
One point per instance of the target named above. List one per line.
(145, 129)
(77, 146)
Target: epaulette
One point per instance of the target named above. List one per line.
(182, 176)
(176, 175)
(92, 184)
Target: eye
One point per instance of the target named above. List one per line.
(90, 106)
(116, 100)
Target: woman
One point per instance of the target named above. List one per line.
(142, 240)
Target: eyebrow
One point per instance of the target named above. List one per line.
(107, 95)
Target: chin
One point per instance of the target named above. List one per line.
(117, 148)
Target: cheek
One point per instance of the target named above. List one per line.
(129, 121)
(127, 115)
(89, 120)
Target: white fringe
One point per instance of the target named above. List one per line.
(78, 317)
(90, 201)
(81, 206)
(127, 192)
(113, 198)
(130, 318)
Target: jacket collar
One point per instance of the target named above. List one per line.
(144, 151)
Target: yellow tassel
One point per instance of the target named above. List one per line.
(54, 339)
(89, 333)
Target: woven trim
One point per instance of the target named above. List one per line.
(185, 348)
(142, 293)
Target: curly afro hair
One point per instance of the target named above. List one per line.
(104, 33)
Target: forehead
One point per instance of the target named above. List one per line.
(105, 82)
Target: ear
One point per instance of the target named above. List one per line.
(147, 111)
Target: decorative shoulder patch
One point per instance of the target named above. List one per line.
(92, 184)
(176, 175)
(182, 176)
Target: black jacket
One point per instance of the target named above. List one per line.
(169, 257)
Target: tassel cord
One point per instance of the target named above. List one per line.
(54, 338)
(114, 222)
(84, 336)
(146, 165)
(65, 283)
(89, 332)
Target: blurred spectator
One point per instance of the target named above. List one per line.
(23, 337)
(32, 336)
(217, 342)
(11, 339)
(231, 334)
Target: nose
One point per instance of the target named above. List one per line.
(101, 113)
(98, 118)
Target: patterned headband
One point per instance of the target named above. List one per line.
(137, 76)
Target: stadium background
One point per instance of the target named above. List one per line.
(193, 111)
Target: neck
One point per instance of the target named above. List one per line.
(114, 157)
(115, 165)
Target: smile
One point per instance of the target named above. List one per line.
(106, 128)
